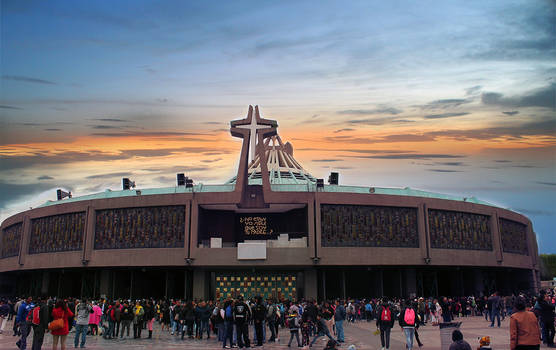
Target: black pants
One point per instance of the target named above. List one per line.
(259, 332)
(38, 337)
(137, 327)
(548, 332)
(385, 337)
(417, 337)
(527, 347)
(272, 327)
(242, 332)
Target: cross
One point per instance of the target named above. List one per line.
(253, 130)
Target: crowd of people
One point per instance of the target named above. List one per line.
(230, 321)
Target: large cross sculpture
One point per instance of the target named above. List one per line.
(258, 128)
(253, 130)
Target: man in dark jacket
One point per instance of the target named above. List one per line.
(259, 314)
(126, 317)
(242, 314)
(202, 313)
(458, 342)
(339, 318)
(322, 330)
(495, 305)
(38, 330)
(547, 318)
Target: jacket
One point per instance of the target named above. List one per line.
(401, 319)
(59, 312)
(524, 329)
(460, 345)
(83, 311)
(340, 313)
(385, 324)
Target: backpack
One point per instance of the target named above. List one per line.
(386, 315)
(33, 316)
(409, 316)
(293, 322)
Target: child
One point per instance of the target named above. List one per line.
(293, 323)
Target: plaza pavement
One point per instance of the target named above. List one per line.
(359, 334)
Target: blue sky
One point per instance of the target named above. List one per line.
(451, 97)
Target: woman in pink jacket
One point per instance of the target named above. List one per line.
(94, 319)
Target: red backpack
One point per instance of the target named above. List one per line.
(385, 314)
(33, 316)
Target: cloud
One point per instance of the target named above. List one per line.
(546, 183)
(446, 103)
(410, 156)
(473, 90)
(538, 212)
(211, 160)
(52, 129)
(377, 121)
(384, 110)
(27, 79)
(451, 163)
(45, 177)
(13, 192)
(146, 134)
(10, 107)
(108, 175)
(511, 113)
(326, 160)
(343, 130)
(502, 161)
(115, 120)
(445, 115)
(103, 127)
(543, 97)
(444, 171)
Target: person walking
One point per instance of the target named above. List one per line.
(42, 325)
(203, 313)
(546, 318)
(94, 319)
(228, 324)
(293, 325)
(407, 323)
(21, 319)
(524, 328)
(339, 318)
(149, 318)
(385, 322)
(61, 311)
(259, 314)
(496, 305)
(82, 310)
(4, 314)
(322, 330)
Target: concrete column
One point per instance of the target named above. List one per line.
(496, 237)
(344, 284)
(410, 283)
(423, 229)
(380, 280)
(311, 228)
(104, 283)
(89, 235)
(323, 284)
(311, 284)
(479, 284)
(45, 281)
(199, 284)
(25, 237)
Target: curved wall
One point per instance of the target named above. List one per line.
(343, 229)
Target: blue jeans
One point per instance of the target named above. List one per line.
(80, 329)
(321, 334)
(495, 313)
(409, 333)
(228, 332)
(340, 330)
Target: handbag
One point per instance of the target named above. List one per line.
(56, 324)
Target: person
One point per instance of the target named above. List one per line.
(271, 316)
(259, 314)
(495, 309)
(94, 319)
(446, 310)
(82, 310)
(407, 319)
(4, 314)
(385, 322)
(126, 316)
(111, 318)
(21, 319)
(228, 324)
(293, 325)
(524, 328)
(339, 318)
(546, 318)
(322, 330)
(117, 318)
(458, 342)
(61, 311)
(202, 313)
(42, 326)
(368, 311)
(149, 317)
(242, 314)
(138, 313)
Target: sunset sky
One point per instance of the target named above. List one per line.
(444, 96)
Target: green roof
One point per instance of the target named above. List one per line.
(307, 187)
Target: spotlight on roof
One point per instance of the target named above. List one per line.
(333, 178)
(188, 182)
(60, 194)
(127, 183)
(320, 183)
(181, 179)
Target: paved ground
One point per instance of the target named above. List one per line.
(359, 334)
